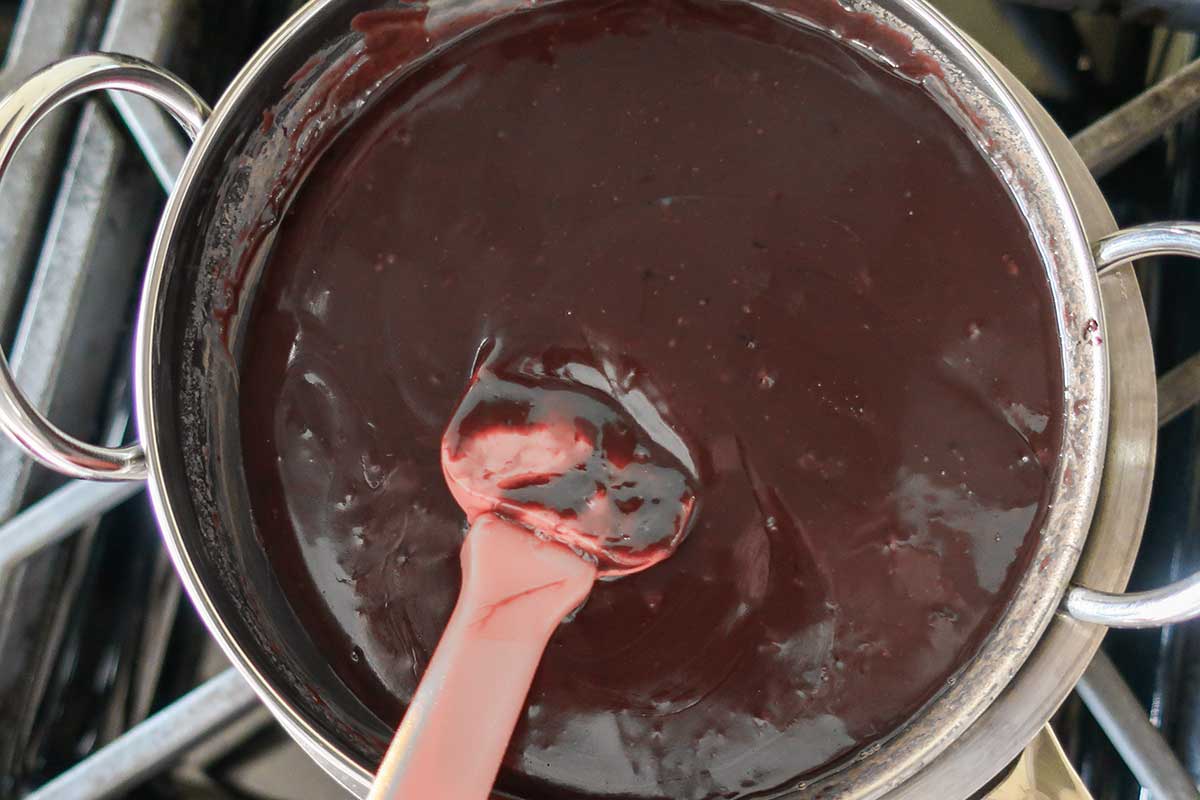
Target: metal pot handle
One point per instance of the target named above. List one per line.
(1178, 601)
(19, 113)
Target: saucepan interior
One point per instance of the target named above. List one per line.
(285, 107)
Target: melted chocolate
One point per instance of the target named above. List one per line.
(842, 312)
(572, 446)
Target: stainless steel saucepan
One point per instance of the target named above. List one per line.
(307, 82)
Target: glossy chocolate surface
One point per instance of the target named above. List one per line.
(836, 302)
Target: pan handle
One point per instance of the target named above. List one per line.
(20, 111)
(1178, 601)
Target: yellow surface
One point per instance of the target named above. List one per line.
(1042, 773)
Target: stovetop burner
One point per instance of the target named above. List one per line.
(97, 645)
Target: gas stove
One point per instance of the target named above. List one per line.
(109, 684)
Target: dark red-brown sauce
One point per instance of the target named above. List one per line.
(834, 296)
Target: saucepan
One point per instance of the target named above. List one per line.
(306, 83)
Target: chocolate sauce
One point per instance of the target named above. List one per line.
(572, 446)
(834, 296)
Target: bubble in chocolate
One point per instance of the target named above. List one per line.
(576, 446)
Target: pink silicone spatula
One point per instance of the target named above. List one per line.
(516, 590)
(560, 460)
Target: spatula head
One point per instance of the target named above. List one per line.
(560, 444)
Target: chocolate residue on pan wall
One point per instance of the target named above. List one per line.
(867, 30)
(813, 262)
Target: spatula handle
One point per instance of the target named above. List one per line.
(516, 589)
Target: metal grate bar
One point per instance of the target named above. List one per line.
(1122, 132)
(57, 515)
(1179, 390)
(46, 31)
(1140, 744)
(146, 28)
(156, 743)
